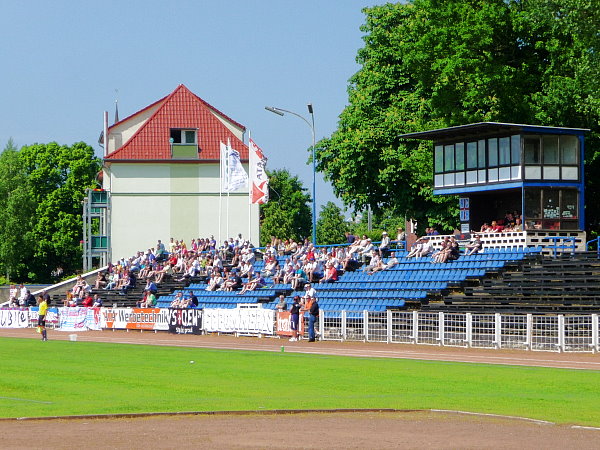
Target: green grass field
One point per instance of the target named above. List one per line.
(64, 378)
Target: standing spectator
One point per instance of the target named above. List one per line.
(281, 305)
(42, 318)
(313, 316)
(295, 318)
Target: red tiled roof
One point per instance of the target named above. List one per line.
(180, 109)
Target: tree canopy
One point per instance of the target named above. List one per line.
(331, 225)
(41, 190)
(428, 64)
(288, 213)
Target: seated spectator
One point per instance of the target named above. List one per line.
(518, 226)
(178, 301)
(365, 253)
(384, 246)
(97, 301)
(79, 288)
(281, 304)
(400, 238)
(193, 300)
(441, 255)
(331, 274)
(496, 227)
(215, 282)
(233, 282)
(88, 301)
(101, 280)
(375, 262)
(167, 270)
(298, 279)
(30, 299)
(485, 228)
(129, 284)
(253, 283)
(150, 286)
(392, 262)
(271, 267)
(475, 246)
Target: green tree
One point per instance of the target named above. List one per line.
(331, 225)
(288, 213)
(428, 64)
(42, 187)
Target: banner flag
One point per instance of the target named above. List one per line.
(259, 187)
(233, 175)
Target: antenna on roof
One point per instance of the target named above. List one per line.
(116, 106)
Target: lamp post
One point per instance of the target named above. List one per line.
(281, 112)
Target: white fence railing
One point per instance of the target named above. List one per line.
(541, 332)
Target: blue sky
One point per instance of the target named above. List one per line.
(65, 62)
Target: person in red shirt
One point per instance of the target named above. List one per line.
(331, 274)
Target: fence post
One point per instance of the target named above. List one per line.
(595, 343)
(344, 331)
(415, 322)
(498, 330)
(366, 325)
(561, 333)
(321, 326)
(389, 326)
(469, 329)
(529, 336)
(441, 328)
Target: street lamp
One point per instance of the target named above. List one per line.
(281, 112)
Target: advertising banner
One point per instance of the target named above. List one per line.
(240, 320)
(79, 319)
(135, 318)
(51, 316)
(284, 324)
(14, 318)
(185, 321)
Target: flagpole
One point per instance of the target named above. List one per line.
(228, 190)
(250, 185)
(220, 188)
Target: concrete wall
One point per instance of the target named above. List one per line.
(160, 201)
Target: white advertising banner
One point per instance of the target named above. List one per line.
(14, 318)
(241, 320)
(79, 319)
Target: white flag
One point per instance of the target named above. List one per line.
(259, 187)
(233, 175)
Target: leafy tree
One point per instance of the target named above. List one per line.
(288, 213)
(428, 64)
(331, 225)
(42, 187)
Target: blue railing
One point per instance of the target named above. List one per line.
(597, 242)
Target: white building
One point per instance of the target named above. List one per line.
(161, 167)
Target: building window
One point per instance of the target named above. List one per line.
(184, 137)
(472, 155)
(493, 152)
(551, 209)
(568, 149)
(532, 150)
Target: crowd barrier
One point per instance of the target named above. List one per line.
(538, 332)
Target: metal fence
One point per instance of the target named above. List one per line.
(540, 332)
